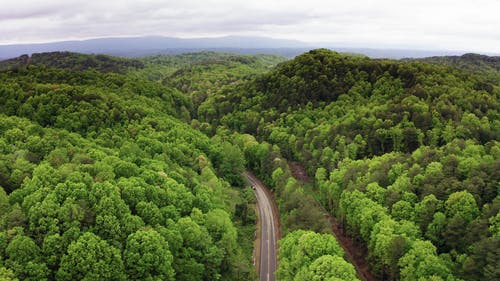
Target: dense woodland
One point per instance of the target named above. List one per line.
(116, 169)
(102, 179)
(487, 66)
(404, 154)
(73, 61)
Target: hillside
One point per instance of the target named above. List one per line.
(102, 179)
(119, 169)
(487, 66)
(473, 62)
(405, 155)
(160, 67)
(72, 61)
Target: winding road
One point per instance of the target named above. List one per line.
(269, 229)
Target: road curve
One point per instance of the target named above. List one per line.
(269, 229)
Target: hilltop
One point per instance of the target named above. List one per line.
(72, 61)
(119, 158)
(404, 154)
(102, 178)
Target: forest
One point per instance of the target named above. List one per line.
(103, 179)
(130, 169)
(405, 154)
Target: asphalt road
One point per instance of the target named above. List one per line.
(268, 237)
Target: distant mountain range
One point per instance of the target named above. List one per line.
(141, 46)
(151, 45)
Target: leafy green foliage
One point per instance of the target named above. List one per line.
(158, 68)
(103, 180)
(403, 151)
(91, 258)
(485, 65)
(305, 255)
(72, 61)
(147, 256)
(200, 75)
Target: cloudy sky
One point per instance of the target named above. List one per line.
(464, 25)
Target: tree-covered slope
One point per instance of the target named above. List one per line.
(488, 67)
(73, 61)
(199, 75)
(405, 155)
(87, 100)
(473, 62)
(101, 180)
(160, 67)
(209, 75)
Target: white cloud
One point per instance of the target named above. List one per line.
(423, 24)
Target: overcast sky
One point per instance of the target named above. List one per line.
(465, 25)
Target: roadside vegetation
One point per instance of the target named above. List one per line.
(404, 154)
(116, 169)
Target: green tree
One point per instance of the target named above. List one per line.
(7, 274)
(4, 201)
(425, 210)
(461, 203)
(232, 163)
(436, 229)
(301, 248)
(91, 258)
(403, 210)
(328, 267)
(24, 259)
(147, 256)
(422, 262)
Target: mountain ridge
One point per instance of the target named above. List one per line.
(153, 45)
(148, 45)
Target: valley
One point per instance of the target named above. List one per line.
(131, 169)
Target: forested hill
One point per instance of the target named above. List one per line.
(101, 178)
(199, 75)
(473, 62)
(73, 61)
(488, 67)
(322, 76)
(217, 66)
(216, 70)
(105, 175)
(187, 59)
(404, 154)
